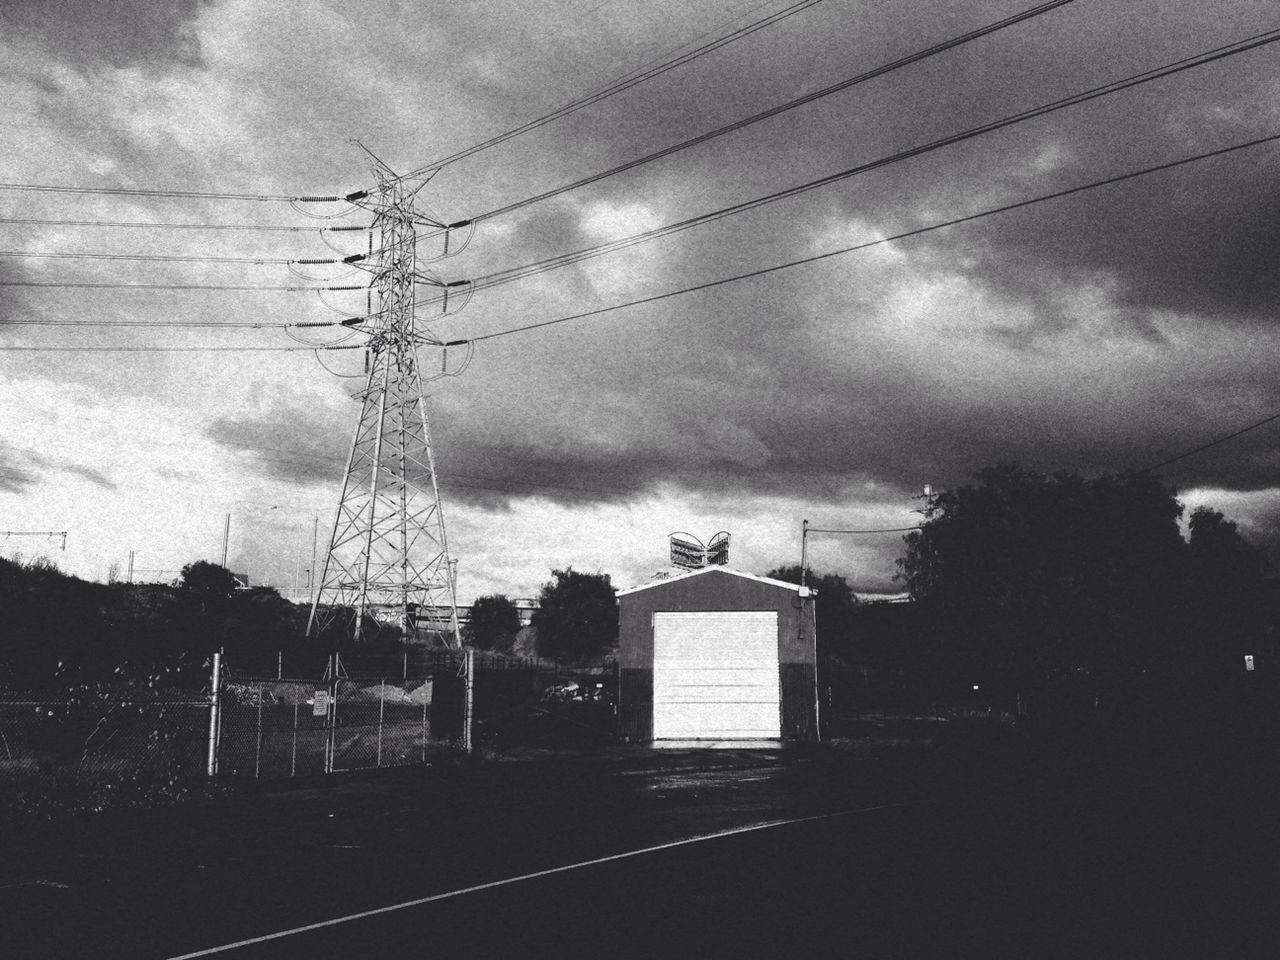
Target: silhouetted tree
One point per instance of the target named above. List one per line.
(1030, 576)
(1224, 584)
(577, 615)
(208, 584)
(495, 621)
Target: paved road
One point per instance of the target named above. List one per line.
(165, 884)
(1166, 860)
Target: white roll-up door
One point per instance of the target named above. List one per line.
(715, 676)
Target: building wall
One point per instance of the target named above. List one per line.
(721, 592)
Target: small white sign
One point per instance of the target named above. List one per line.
(1248, 661)
(320, 706)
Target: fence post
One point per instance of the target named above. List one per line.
(293, 759)
(257, 753)
(424, 717)
(331, 712)
(468, 703)
(215, 704)
(382, 706)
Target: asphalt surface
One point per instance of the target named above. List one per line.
(963, 854)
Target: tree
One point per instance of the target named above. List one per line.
(1224, 584)
(577, 615)
(495, 621)
(836, 605)
(1031, 576)
(207, 583)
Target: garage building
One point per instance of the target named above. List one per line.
(715, 654)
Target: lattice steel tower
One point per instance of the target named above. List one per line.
(388, 556)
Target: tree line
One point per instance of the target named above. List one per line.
(1018, 579)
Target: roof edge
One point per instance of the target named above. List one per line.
(803, 591)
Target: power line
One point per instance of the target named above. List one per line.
(249, 324)
(172, 226)
(176, 258)
(781, 108)
(144, 349)
(1212, 443)
(624, 84)
(885, 530)
(156, 192)
(883, 240)
(519, 273)
(93, 285)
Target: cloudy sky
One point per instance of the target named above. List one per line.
(1102, 331)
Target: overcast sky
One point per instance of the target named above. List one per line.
(1093, 333)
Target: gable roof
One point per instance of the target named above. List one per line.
(803, 591)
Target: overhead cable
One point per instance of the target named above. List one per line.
(624, 84)
(93, 285)
(148, 349)
(155, 192)
(161, 225)
(518, 273)
(249, 324)
(884, 530)
(780, 108)
(177, 258)
(883, 240)
(1212, 443)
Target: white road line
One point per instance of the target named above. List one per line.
(280, 935)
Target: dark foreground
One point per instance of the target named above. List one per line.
(967, 850)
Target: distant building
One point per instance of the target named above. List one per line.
(714, 654)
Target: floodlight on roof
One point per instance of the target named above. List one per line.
(691, 553)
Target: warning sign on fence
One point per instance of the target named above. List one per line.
(320, 706)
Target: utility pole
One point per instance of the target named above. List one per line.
(388, 555)
(226, 536)
(804, 551)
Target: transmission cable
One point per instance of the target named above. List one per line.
(172, 324)
(161, 225)
(624, 84)
(94, 285)
(780, 108)
(1212, 443)
(883, 240)
(156, 192)
(149, 349)
(518, 273)
(177, 258)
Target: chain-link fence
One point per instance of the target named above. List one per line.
(391, 711)
(133, 739)
(268, 727)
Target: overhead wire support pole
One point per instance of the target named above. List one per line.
(387, 560)
(47, 534)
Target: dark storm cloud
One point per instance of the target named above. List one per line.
(1202, 240)
(22, 469)
(296, 445)
(87, 473)
(112, 33)
(15, 473)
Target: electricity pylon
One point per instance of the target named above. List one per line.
(388, 557)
